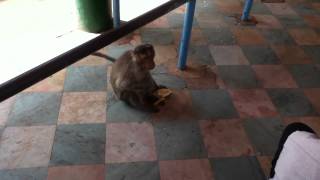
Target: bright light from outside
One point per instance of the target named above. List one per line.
(34, 31)
(133, 8)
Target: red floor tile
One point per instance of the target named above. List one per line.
(198, 76)
(229, 6)
(193, 70)
(207, 81)
(268, 22)
(197, 37)
(316, 5)
(92, 60)
(313, 122)
(165, 54)
(161, 22)
(85, 172)
(305, 36)
(280, 9)
(265, 164)
(83, 107)
(26, 147)
(248, 36)
(314, 97)
(180, 10)
(205, 20)
(291, 54)
(202, 83)
(225, 138)
(133, 39)
(196, 169)
(274, 76)
(177, 107)
(52, 83)
(130, 142)
(253, 103)
(312, 20)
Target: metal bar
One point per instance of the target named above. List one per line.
(116, 13)
(246, 10)
(186, 33)
(54, 65)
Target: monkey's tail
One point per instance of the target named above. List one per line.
(104, 56)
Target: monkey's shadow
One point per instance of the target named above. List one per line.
(177, 107)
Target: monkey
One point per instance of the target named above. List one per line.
(131, 80)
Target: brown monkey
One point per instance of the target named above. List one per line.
(131, 79)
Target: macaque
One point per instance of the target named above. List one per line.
(132, 81)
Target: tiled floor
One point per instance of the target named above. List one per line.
(223, 121)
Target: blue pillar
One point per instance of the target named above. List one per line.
(186, 33)
(246, 10)
(116, 13)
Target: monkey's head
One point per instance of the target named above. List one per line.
(144, 55)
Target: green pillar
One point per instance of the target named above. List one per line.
(95, 15)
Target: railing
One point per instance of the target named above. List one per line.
(27, 79)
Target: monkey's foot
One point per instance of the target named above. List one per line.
(160, 100)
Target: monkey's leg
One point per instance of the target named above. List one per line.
(150, 98)
(138, 101)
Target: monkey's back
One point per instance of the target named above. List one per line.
(125, 76)
(119, 71)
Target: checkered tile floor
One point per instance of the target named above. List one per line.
(70, 126)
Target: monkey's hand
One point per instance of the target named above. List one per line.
(162, 93)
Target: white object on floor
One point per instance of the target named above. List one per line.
(299, 158)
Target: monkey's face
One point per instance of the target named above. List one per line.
(144, 56)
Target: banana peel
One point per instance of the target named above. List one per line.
(162, 94)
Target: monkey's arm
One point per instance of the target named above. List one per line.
(155, 86)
